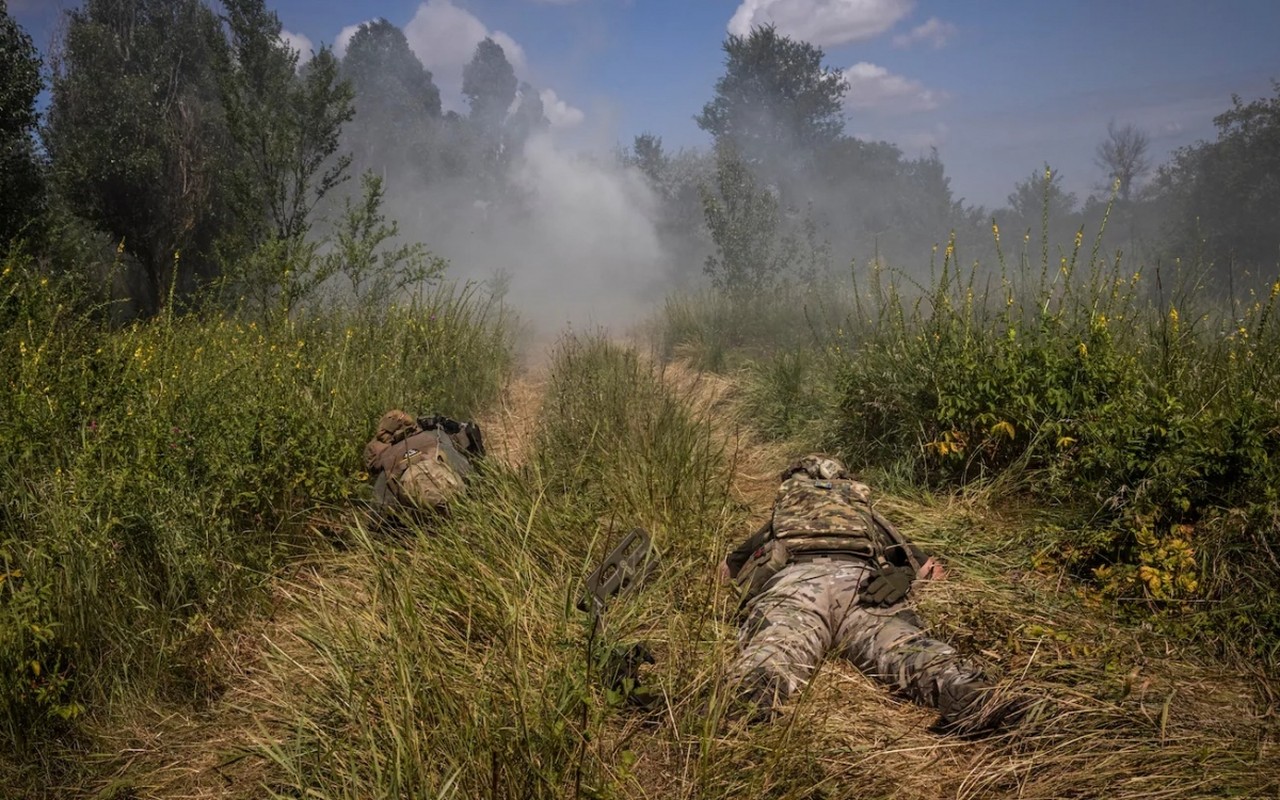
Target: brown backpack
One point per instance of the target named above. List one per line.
(415, 465)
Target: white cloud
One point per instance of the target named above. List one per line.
(444, 37)
(821, 22)
(876, 88)
(559, 113)
(300, 44)
(344, 38)
(934, 31)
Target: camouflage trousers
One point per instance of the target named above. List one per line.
(811, 609)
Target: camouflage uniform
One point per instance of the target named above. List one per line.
(804, 572)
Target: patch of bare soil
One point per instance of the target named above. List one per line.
(509, 427)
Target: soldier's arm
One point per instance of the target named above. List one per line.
(738, 558)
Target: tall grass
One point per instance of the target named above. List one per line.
(154, 476)
(470, 672)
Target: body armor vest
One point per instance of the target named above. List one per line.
(834, 516)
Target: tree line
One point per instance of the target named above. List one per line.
(186, 146)
(195, 144)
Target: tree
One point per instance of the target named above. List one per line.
(489, 83)
(135, 132)
(648, 156)
(286, 129)
(775, 100)
(1039, 205)
(21, 180)
(1123, 157)
(1225, 194)
(530, 117)
(397, 104)
(1041, 194)
(752, 250)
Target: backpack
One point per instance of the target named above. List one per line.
(421, 463)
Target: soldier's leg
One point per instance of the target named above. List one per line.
(888, 645)
(786, 633)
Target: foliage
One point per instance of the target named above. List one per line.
(21, 177)
(155, 476)
(377, 276)
(1040, 201)
(1225, 193)
(775, 101)
(286, 131)
(397, 105)
(753, 250)
(489, 84)
(283, 275)
(648, 156)
(873, 202)
(285, 127)
(135, 133)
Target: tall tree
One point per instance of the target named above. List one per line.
(21, 181)
(397, 104)
(648, 156)
(529, 118)
(753, 251)
(775, 101)
(286, 130)
(135, 131)
(1123, 156)
(489, 83)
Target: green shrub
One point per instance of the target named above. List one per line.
(1142, 413)
(155, 475)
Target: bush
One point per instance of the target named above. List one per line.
(1143, 414)
(155, 475)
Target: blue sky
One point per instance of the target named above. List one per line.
(999, 86)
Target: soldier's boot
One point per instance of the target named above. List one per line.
(974, 709)
(756, 696)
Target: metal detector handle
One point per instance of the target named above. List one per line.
(626, 567)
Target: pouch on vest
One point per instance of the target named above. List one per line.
(764, 563)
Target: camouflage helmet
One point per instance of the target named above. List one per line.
(392, 424)
(818, 466)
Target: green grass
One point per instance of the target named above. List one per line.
(470, 672)
(156, 476)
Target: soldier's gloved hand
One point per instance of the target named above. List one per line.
(888, 587)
